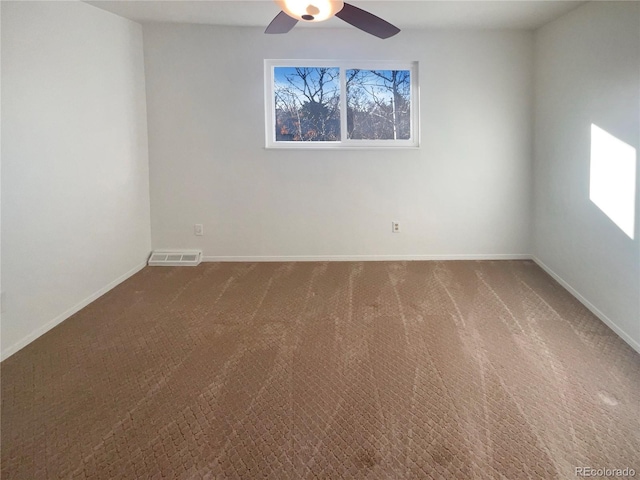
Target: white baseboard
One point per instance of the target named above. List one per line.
(606, 320)
(63, 316)
(363, 258)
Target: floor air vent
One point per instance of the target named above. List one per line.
(175, 259)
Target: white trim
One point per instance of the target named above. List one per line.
(63, 316)
(336, 146)
(606, 320)
(363, 258)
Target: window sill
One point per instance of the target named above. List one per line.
(342, 147)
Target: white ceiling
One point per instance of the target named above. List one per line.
(405, 14)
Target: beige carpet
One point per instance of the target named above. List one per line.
(388, 370)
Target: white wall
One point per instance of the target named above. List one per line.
(467, 191)
(75, 203)
(587, 71)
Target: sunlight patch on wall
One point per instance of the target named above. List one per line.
(613, 178)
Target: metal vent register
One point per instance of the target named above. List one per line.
(175, 259)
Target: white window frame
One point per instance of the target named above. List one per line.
(344, 142)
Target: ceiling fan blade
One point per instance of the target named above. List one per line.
(367, 22)
(282, 23)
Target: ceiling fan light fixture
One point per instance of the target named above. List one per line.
(310, 10)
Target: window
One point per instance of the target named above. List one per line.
(338, 104)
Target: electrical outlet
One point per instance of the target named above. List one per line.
(395, 227)
(198, 229)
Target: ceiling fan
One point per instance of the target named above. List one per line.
(320, 10)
